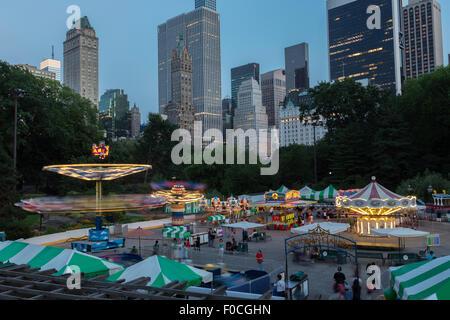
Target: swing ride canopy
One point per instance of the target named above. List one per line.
(179, 195)
(97, 172)
(375, 200)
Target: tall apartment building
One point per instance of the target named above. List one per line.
(241, 74)
(297, 67)
(38, 73)
(135, 122)
(292, 129)
(180, 110)
(201, 31)
(52, 65)
(113, 112)
(422, 29)
(250, 112)
(81, 60)
(358, 49)
(273, 87)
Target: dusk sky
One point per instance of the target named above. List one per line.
(251, 31)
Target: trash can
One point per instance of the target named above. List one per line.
(341, 257)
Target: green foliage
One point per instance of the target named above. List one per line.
(419, 185)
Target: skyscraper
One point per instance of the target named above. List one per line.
(227, 111)
(422, 29)
(201, 31)
(81, 60)
(38, 73)
(135, 122)
(297, 67)
(250, 112)
(180, 110)
(365, 45)
(113, 109)
(52, 65)
(210, 4)
(241, 74)
(273, 87)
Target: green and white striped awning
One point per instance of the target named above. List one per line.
(162, 271)
(427, 280)
(329, 193)
(60, 259)
(217, 217)
(176, 233)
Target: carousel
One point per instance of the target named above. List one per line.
(282, 207)
(376, 207)
(177, 197)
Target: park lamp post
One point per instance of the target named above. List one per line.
(18, 93)
(314, 120)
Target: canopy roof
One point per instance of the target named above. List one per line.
(426, 280)
(309, 194)
(97, 172)
(60, 259)
(217, 217)
(283, 189)
(162, 271)
(282, 204)
(401, 232)
(176, 232)
(244, 225)
(331, 227)
(374, 199)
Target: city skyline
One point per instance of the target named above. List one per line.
(132, 65)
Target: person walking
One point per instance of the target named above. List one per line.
(221, 250)
(339, 279)
(156, 248)
(197, 243)
(209, 238)
(260, 260)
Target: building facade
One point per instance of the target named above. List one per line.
(297, 67)
(114, 109)
(292, 129)
(359, 47)
(422, 29)
(135, 122)
(38, 73)
(227, 115)
(81, 60)
(273, 87)
(180, 110)
(210, 4)
(201, 31)
(241, 74)
(52, 65)
(250, 112)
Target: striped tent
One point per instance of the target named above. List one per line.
(426, 280)
(217, 217)
(327, 194)
(176, 233)
(60, 259)
(283, 189)
(162, 271)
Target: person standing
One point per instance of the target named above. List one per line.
(197, 243)
(209, 238)
(339, 278)
(221, 250)
(260, 260)
(281, 286)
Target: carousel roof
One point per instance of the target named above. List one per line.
(375, 190)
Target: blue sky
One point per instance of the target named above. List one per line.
(251, 31)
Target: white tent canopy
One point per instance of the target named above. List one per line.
(401, 233)
(331, 227)
(244, 225)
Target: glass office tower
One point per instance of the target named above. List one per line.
(359, 52)
(241, 74)
(210, 4)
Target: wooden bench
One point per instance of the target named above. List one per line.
(403, 258)
(371, 255)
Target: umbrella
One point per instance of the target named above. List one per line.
(426, 280)
(60, 259)
(176, 233)
(244, 225)
(162, 271)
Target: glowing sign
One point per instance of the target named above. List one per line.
(100, 150)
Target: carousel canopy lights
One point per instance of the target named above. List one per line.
(97, 172)
(375, 200)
